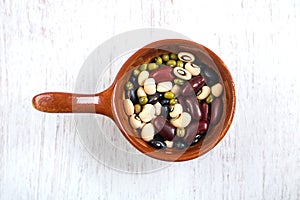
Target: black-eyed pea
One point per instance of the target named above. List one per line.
(192, 68)
(135, 121)
(182, 120)
(164, 86)
(186, 57)
(128, 107)
(148, 113)
(150, 86)
(142, 77)
(182, 73)
(217, 89)
(176, 110)
(147, 132)
(203, 93)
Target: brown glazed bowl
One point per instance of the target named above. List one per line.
(110, 101)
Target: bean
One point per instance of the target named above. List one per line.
(209, 99)
(211, 76)
(158, 137)
(129, 85)
(180, 132)
(157, 107)
(165, 102)
(181, 100)
(169, 95)
(165, 111)
(182, 121)
(196, 139)
(131, 94)
(202, 127)
(194, 129)
(150, 86)
(177, 110)
(192, 68)
(173, 101)
(165, 57)
(191, 132)
(143, 100)
(135, 121)
(182, 73)
(186, 56)
(164, 128)
(158, 60)
(217, 89)
(148, 113)
(192, 106)
(147, 132)
(137, 108)
(136, 72)
(143, 67)
(157, 144)
(153, 99)
(193, 85)
(180, 145)
(128, 107)
(171, 63)
(169, 143)
(152, 66)
(173, 56)
(176, 89)
(164, 86)
(216, 111)
(204, 107)
(203, 93)
(141, 92)
(142, 77)
(179, 81)
(179, 63)
(162, 74)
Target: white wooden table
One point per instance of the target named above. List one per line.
(43, 45)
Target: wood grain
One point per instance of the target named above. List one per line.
(43, 45)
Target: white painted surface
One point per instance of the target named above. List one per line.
(43, 45)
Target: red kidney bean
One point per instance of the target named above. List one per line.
(162, 74)
(181, 100)
(193, 85)
(192, 107)
(195, 128)
(216, 111)
(202, 127)
(204, 107)
(190, 132)
(164, 128)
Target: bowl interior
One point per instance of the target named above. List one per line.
(203, 56)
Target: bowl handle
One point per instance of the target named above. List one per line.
(60, 102)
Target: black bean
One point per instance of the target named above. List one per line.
(165, 111)
(158, 137)
(211, 77)
(154, 98)
(164, 102)
(196, 139)
(134, 80)
(131, 94)
(157, 144)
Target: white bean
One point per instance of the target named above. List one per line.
(147, 132)
(164, 86)
(217, 89)
(148, 113)
(142, 77)
(150, 86)
(182, 121)
(128, 107)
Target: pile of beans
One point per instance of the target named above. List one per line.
(171, 102)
